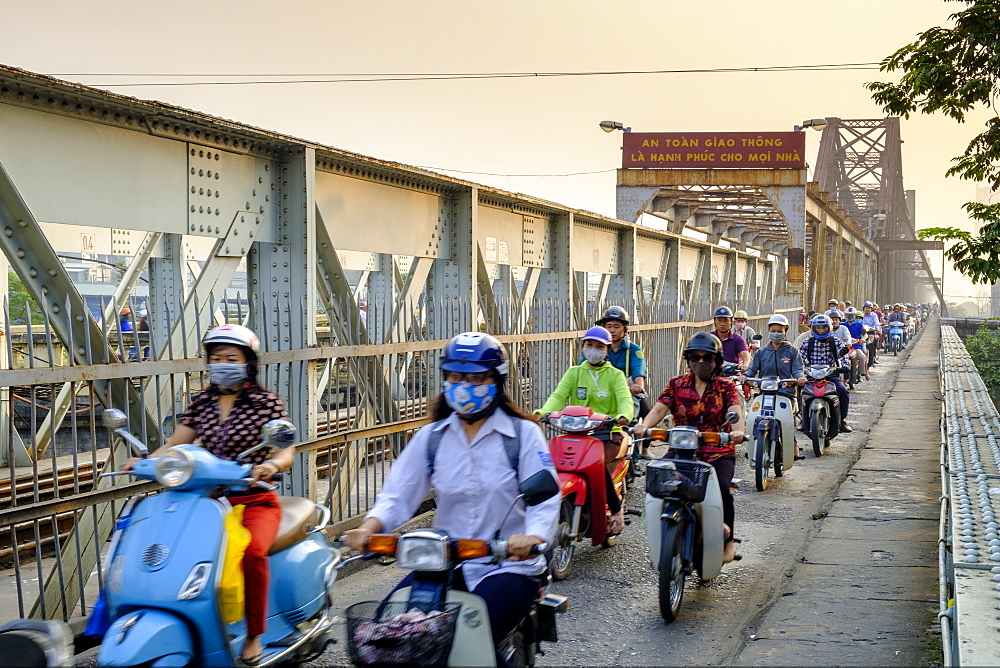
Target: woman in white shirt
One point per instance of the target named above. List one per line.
(480, 446)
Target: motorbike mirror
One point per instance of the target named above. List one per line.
(539, 488)
(278, 434)
(732, 417)
(757, 337)
(114, 419)
(843, 351)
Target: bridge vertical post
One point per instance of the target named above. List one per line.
(283, 301)
(555, 297)
(452, 291)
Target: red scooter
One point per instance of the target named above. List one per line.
(578, 455)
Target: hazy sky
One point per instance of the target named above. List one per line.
(511, 127)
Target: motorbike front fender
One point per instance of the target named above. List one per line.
(147, 637)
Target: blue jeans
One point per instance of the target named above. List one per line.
(845, 397)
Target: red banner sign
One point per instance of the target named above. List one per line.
(730, 150)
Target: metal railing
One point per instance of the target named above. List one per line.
(365, 402)
(969, 535)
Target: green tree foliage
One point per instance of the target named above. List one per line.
(953, 71)
(19, 301)
(983, 346)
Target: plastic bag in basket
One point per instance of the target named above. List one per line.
(412, 637)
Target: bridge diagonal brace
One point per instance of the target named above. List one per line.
(46, 280)
(60, 406)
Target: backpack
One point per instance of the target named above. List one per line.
(831, 342)
(511, 445)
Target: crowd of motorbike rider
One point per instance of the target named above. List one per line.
(481, 444)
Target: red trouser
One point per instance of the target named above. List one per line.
(261, 517)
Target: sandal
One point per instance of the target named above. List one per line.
(616, 523)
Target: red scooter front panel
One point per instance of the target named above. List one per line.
(580, 462)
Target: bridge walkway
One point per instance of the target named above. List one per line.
(866, 590)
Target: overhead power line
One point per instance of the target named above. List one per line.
(319, 78)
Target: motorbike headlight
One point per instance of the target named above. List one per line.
(421, 551)
(195, 582)
(573, 422)
(684, 438)
(817, 372)
(769, 384)
(174, 468)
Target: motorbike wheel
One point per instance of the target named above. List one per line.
(852, 376)
(671, 571)
(519, 653)
(562, 552)
(814, 434)
(895, 348)
(762, 462)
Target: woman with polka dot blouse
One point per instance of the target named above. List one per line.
(226, 419)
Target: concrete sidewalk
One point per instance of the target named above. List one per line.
(866, 592)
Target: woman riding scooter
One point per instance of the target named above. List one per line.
(474, 454)
(598, 385)
(701, 398)
(226, 419)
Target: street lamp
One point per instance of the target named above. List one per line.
(611, 126)
(814, 123)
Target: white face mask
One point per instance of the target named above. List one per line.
(594, 355)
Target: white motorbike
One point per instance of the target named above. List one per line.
(430, 623)
(771, 416)
(683, 514)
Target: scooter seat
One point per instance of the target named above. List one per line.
(298, 517)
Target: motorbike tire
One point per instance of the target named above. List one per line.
(671, 568)
(520, 653)
(814, 435)
(895, 349)
(762, 463)
(562, 551)
(852, 375)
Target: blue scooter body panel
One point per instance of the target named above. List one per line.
(155, 636)
(297, 590)
(187, 528)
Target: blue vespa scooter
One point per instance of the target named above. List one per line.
(166, 562)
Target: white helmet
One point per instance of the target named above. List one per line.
(232, 335)
(778, 319)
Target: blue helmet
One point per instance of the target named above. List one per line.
(597, 333)
(820, 320)
(474, 352)
(723, 312)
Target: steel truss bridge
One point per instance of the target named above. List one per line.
(353, 271)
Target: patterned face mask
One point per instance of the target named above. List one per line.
(227, 376)
(594, 355)
(465, 398)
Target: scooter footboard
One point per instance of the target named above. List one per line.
(147, 637)
(710, 515)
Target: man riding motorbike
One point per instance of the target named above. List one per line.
(702, 398)
(897, 315)
(474, 454)
(734, 346)
(778, 358)
(626, 356)
(823, 348)
(601, 387)
(857, 330)
(871, 320)
(741, 327)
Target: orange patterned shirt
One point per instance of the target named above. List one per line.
(706, 413)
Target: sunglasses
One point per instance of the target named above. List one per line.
(708, 357)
